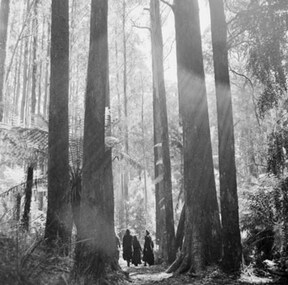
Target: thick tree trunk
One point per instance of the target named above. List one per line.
(59, 217)
(202, 227)
(228, 185)
(4, 17)
(96, 247)
(164, 153)
(28, 196)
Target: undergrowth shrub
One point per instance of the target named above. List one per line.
(262, 221)
(26, 259)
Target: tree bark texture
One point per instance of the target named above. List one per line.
(4, 17)
(59, 222)
(180, 230)
(163, 163)
(202, 226)
(96, 248)
(228, 185)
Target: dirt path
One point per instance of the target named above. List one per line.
(146, 275)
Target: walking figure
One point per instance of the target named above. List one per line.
(127, 247)
(148, 256)
(136, 258)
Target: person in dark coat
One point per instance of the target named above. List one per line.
(127, 247)
(148, 255)
(136, 258)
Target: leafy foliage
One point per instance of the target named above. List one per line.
(23, 144)
(264, 220)
(260, 27)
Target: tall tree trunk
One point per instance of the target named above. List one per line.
(25, 70)
(202, 226)
(46, 81)
(15, 83)
(40, 85)
(126, 136)
(160, 97)
(4, 17)
(228, 185)
(120, 200)
(28, 196)
(96, 247)
(158, 174)
(144, 152)
(58, 223)
(34, 61)
(17, 95)
(27, 106)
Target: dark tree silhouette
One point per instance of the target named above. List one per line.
(28, 196)
(96, 247)
(228, 185)
(202, 243)
(162, 162)
(58, 223)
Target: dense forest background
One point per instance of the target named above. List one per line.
(143, 115)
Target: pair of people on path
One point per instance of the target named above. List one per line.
(132, 249)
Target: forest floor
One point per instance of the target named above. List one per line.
(33, 265)
(145, 275)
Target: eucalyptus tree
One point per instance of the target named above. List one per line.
(58, 222)
(202, 244)
(96, 247)
(162, 164)
(231, 260)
